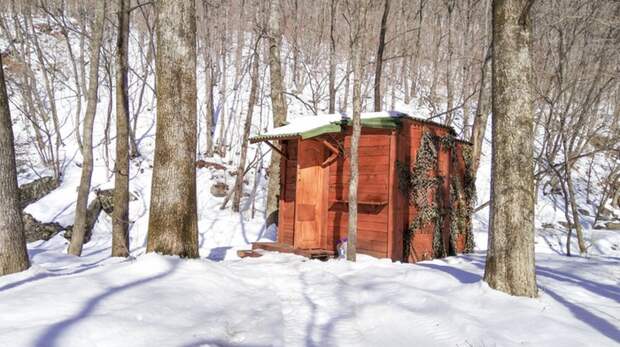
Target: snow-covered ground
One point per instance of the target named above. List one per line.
(285, 300)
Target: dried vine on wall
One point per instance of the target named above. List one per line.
(418, 184)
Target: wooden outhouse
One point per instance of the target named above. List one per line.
(414, 192)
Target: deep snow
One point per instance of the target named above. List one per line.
(285, 300)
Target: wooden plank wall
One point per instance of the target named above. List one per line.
(374, 164)
(288, 179)
(421, 247)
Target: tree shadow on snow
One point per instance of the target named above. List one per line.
(219, 343)
(600, 324)
(463, 276)
(596, 322)
(51, 336)
(51, 273)
(218, 253)
(608, 291)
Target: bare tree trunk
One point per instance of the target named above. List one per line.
(49, 89)
(13, 253)
(380, 49)
(449, 82)
(120, 214)
(347, 83)
(510, 258)
(223, 92)
(278, 106)
(209, 84)
(173, 221)
(415, 66)
(358, 24)
(482, 114)
(466, 68)
(332, 56)
(573, 204)
(238, 189)
(79, 227)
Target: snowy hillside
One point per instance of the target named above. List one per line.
(278, 299)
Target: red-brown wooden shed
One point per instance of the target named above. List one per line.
(406, 212)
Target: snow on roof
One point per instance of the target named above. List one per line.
(309, 126)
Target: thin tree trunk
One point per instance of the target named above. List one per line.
(278, 106)
(173, 218)
(573, 204)
(347, 84)
(223, 92)
(13, 253)
(449, 82)
(510, 258)
(209, 83)
(482, 113)
(358, 25)
(380, 50)
(79, 228)
(238, 189)
(120, 214)
(466, 68)
(332, 57)
(415, 66)
(49, 89)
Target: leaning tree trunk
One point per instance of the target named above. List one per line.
(13, 253)
(510, 258)
(79, 227)
(482, 114)
(357, 24)
(238, 189)
(173, 221)
(120, 214)
(278, 105)
(380, 49)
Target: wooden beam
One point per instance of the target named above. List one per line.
(331, 158)
(275, 148)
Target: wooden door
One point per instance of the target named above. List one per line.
(311, 196)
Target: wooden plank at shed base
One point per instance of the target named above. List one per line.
(259, 247)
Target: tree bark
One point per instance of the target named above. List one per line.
(79, 227)
(380, 50)
(120, 215)
(449, 82)
(510, 258)
(482, 114)
(573, 204)
(173, 221)
(332, 56)
(278, 106)
(357, 25)
(223, 93)
(13, 252)
(238, 190)
(209, 84)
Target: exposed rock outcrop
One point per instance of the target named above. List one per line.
(35, 190)
(36, 230)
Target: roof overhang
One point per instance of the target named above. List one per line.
(327, 124)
